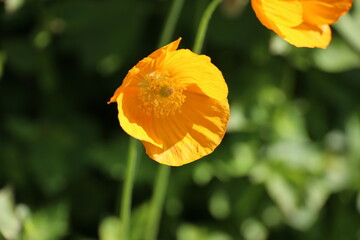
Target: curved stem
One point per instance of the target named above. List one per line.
(125, 211)
(200, 35)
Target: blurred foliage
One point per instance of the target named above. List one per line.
(288, 168)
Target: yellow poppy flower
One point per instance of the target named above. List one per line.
(303, 23)
(175, 102)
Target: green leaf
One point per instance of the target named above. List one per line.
(48, 223)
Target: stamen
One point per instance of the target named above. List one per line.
(160, 95)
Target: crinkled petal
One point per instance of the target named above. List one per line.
(171, 47)
(303, 26)
(138, 72)
(190, 68)
(132, 118)
(147, 65)
(115, 96)
(320, 12)
(307, 35)
(191, 134)
(278, 12)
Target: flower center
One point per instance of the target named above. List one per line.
(160, 95)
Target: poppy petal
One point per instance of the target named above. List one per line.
(132, 118)
(190, 68)
(320, 12)
(307, 35)
(274, 12)
(194, 133)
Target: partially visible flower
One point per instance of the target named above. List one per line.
(175, 102)
(303, 23)
(232, 8)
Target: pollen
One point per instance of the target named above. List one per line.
(160, 95)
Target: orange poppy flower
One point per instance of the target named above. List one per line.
(303, 23)
(175, 102)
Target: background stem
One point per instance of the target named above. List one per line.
(157, 201)
(170, 23)
(163, 174)
(125, 210)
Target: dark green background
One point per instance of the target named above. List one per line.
(288, 168)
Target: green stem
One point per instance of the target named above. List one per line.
(200, 36)
(163, 174)
(170, 23)
(125, 211)
(162, 177)
(157, 201)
